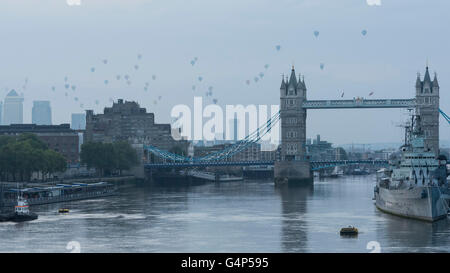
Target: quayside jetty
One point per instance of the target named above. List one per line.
(46, 194)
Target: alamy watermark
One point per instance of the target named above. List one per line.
(211, 122)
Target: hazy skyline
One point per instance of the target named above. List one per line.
(45, 41)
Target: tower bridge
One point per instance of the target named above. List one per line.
(294, 166)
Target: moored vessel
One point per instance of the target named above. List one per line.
(22, 211)
(414, 186)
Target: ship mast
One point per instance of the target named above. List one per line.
(409, 129)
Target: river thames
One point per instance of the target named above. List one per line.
(244, 216)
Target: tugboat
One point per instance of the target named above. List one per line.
(22, 212)
(415, 186)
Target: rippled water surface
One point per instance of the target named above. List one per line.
(245, 216)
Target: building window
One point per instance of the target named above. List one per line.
(292, 121)
(292, 134)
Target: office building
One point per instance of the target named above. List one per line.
(41, 113)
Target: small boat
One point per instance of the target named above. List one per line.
(63, 210)
(22, 212)
(349, 231)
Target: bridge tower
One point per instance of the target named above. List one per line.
(293, 166)
(427, 107)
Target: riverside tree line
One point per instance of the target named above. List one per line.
(25, 154)
(108, 157)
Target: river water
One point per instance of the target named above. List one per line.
(245, 216)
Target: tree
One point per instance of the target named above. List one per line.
(107, 157)
(53, 162)
(125, 156)
(91, 155)
(34, 141)
(24, 154)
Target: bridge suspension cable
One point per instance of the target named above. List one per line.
(239, 146)
(447, 118)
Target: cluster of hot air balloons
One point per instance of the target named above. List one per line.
(70, 85)
(316, 35)
(200, 80)
(259, 76)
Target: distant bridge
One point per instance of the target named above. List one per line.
(315, 165)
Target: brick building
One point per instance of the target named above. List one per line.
(60, 138)
(127, 121)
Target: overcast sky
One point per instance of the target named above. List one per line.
(47, 40)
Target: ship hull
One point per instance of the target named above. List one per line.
(23, 218)
(14, 217)
(421, 203)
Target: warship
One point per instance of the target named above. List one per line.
(414, 185)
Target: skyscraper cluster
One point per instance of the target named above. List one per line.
(11, 110)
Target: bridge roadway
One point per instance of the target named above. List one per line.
(359, 103)
(315, 165)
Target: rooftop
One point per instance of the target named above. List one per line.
(33, 128)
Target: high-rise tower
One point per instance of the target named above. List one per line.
(13, 108)
(427, 101)
(41, 113)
